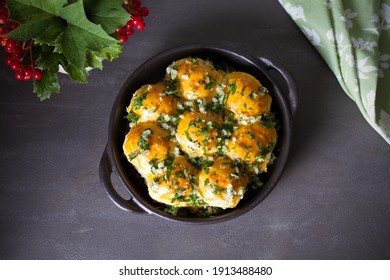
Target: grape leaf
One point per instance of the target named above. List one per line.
(109, 14)
(52, 33)
(77, 74)
(49, 59)
(94, 61)
(35, 17)
(110, 53)
(47, 85)
(81, 34)
(48, 62)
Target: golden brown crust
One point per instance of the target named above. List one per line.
(198, 133)
(252, 144)
(222, 184)
(150, 101)
(197, 78)
(147, 142)
(246, 97)
(174, 182)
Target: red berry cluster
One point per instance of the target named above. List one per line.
(16, 51)
(137, 14)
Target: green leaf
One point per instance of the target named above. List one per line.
(110, 53)
(76, 74)
(81, 34)
(52, 33)
(109, 14)
(31, 30)
(35, 17)
(94, 61)
(48, 58)
(47, 85)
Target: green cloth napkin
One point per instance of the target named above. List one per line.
(353, 37)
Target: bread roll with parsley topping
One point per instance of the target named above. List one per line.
(196, 78)
(147, 142)
(246, 96)
(174, 182)
(150, 101)
(252, 144)
(222, 184)
(198, 133)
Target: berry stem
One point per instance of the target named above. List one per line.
(30, 50)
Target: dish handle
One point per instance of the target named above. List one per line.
(105, 171)
(293, 94)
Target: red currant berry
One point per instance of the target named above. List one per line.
(3, 19)
(3, 15)
(10, 46)
(19, 75)
(129, 25)
(15, 65)
(129, 32)
(140, 25)
(3, 41)
(123, 38)
(144, 11)
(137, 11)
(8, 58)
(37, 74)
(17, 53)
(136, 19)
(136, 3)
(12, 25)
(4, 31)
(119, 30)
(28, 72)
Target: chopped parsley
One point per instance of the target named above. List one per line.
(265, 150)
(179, 195)
(139, 99)
(209, 86)
(131, 117)
(251, 135)
(256, 182)
(134, 155)
(267, 120)
(232, 88)
(218, 190)
(252, 95)
(143, 143)
(171, 87)
(263, 90)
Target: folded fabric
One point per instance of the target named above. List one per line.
(353, 37)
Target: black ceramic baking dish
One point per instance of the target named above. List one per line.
(284, 105)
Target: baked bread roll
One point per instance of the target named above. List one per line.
(150, 102)
(222, 184)
(246, 96)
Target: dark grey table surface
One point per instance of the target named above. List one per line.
(332, 202)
